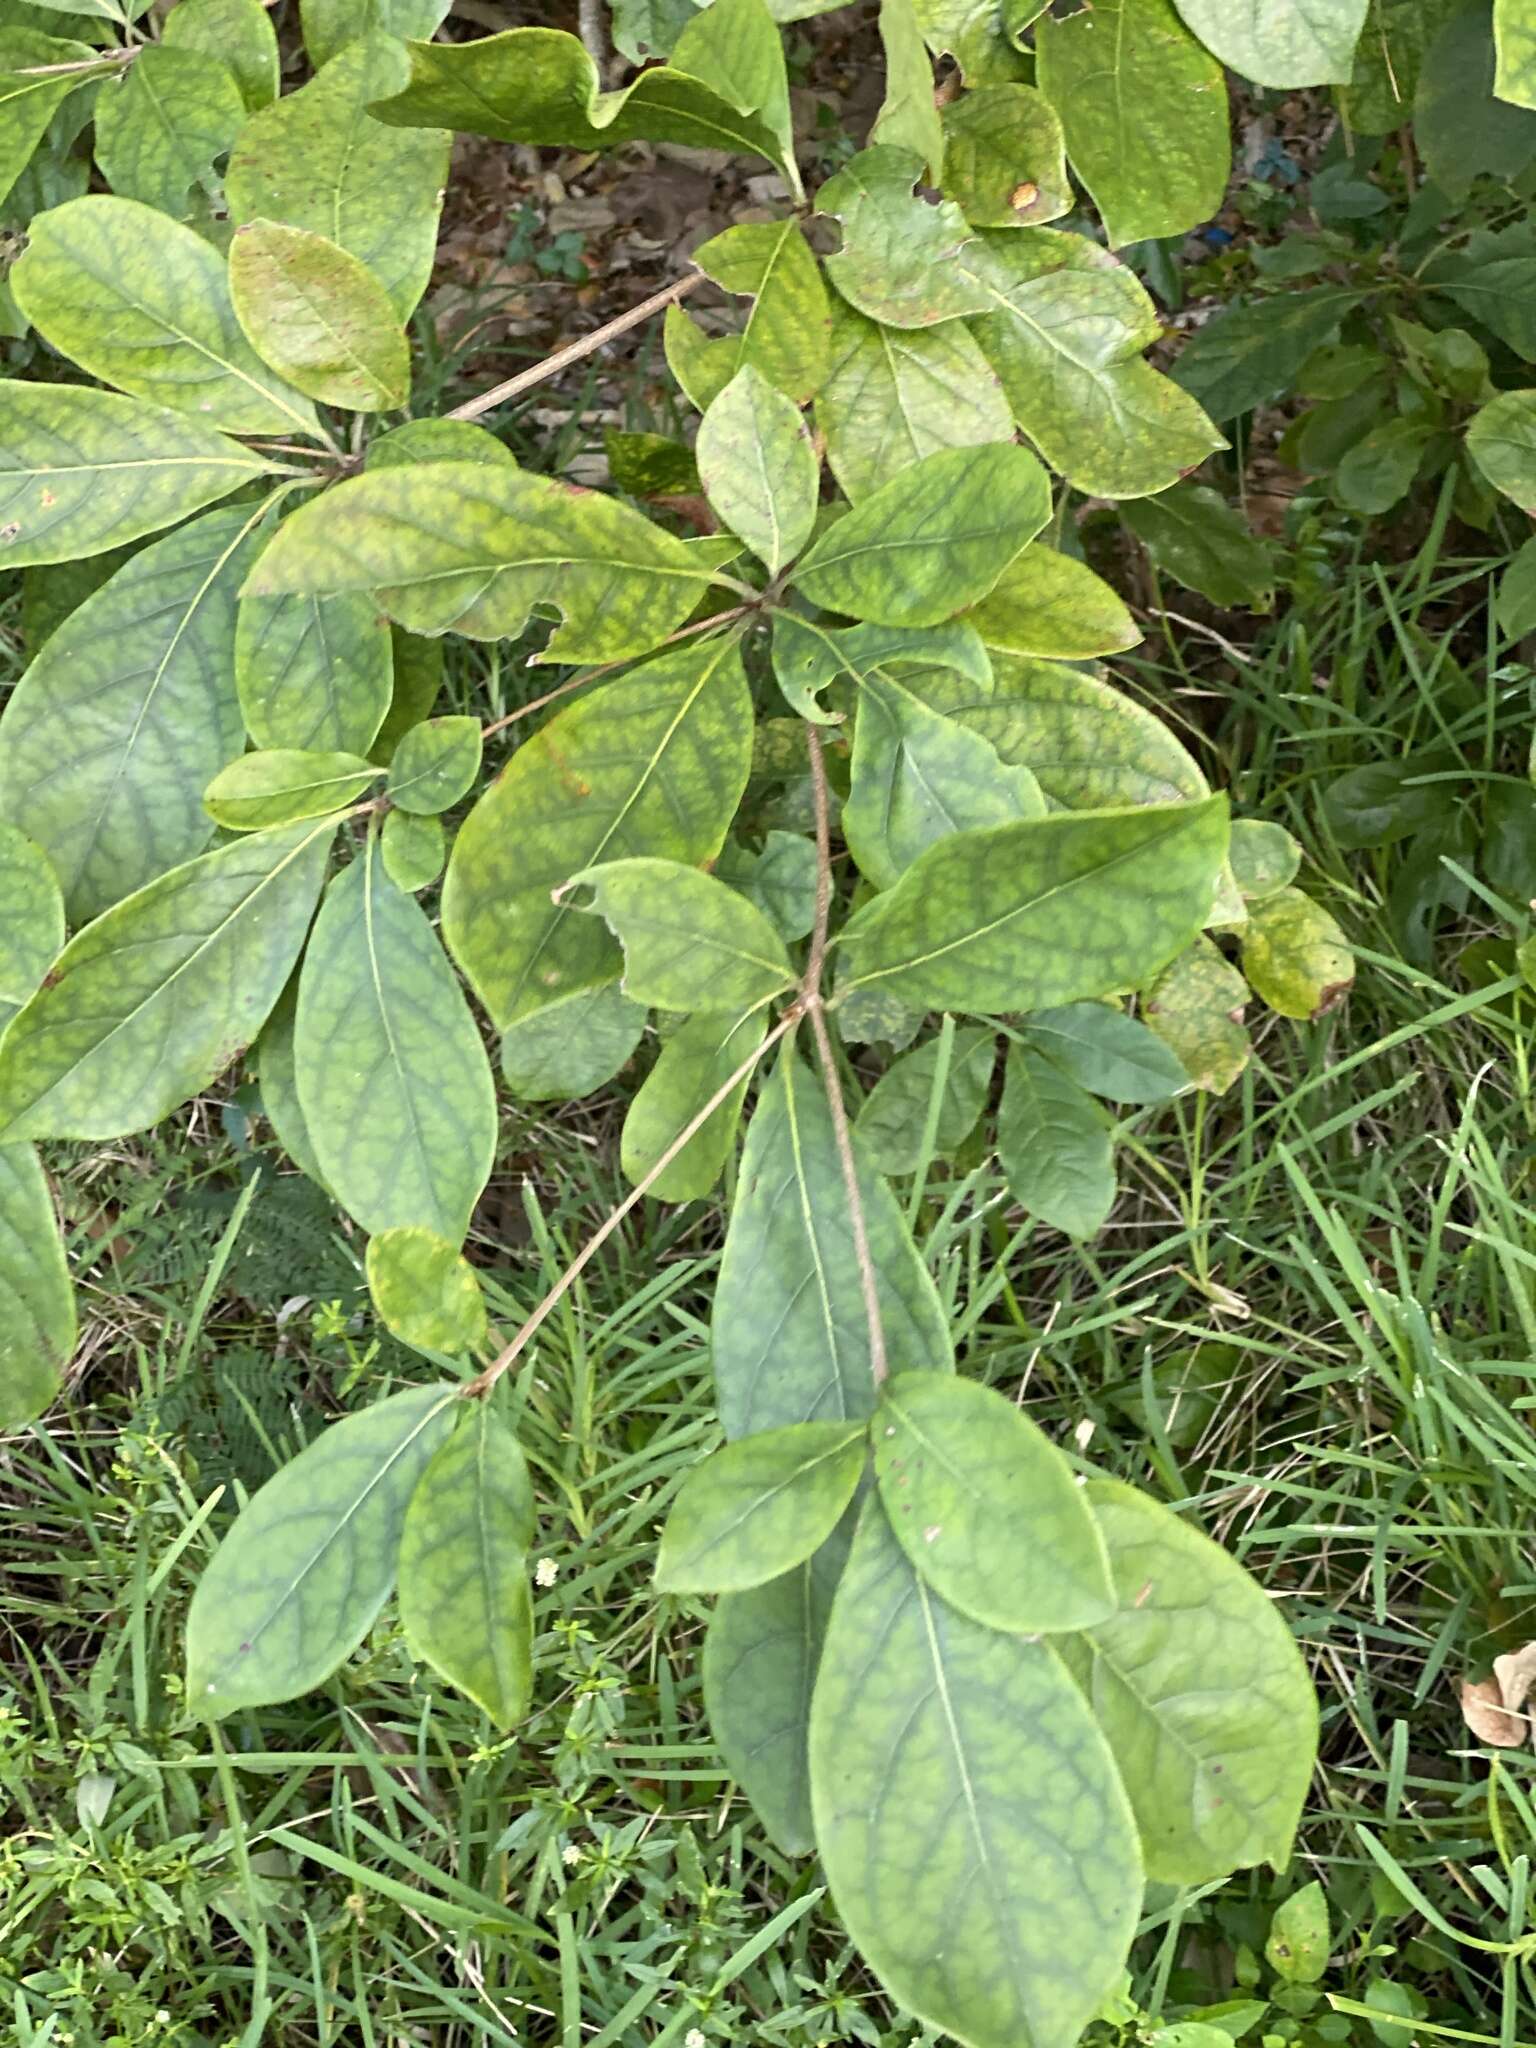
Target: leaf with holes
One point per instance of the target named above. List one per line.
(310, 1560)
(689, 941)
(393, 1079)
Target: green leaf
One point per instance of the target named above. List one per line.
(394, 1082)
(163, 123)
(434, 764)
(1196, 537)
(761, 1653)
(689, 942)
(979, 35)
(1144, 110)
(464, 1598)
(1377, 471)
(1199, 1686)
(654, 763)
(968, 1813)
(1106, 1052)
(539, 85)
(899, 260)
(1264, 857)
(696, 1061)
(780, 879)
(893, 396)
(758, 467)
(1280, 42)
(142, 302)
(272, 1057)
(918, 776)
(412, 849)
(759, 1507)
(986, 1507)
(153, 999)
(37, 1303)
(445, 440)
(1033, 915)
(785, 337)
(329, 25)
(1501, 439)
(1462, 130)
(1064, 326)
(1004, 158)
(319, 316)
(31, 93)
(650, 465)
(425, 1290)
(908, 118)
(31, 919)
(239, 33)
(301, 1576)
(313, 672)
(791, 1343)
(280, 787)
(1299, 1935)
(1253, 350)
(809, 657)
(112, 735)
(1049, 605)
(1295, 956)
(1514, 37)
(82, 470)
(932, 540)
(472, 547)
(894, 1115)
(1196, 1007)
(574, 1046)
(417, 683)
(1055, 1146)
(319, 159)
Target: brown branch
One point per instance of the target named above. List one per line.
(810, 996)
(519, 1344)
(574, 351)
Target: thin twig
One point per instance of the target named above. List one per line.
(574, 351)
(519, 1344)
(591, 675)
(79, 64)
(810, 996)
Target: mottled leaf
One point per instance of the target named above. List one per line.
(1501, 439)
(1196, 1007)
(31, 919)
(412, 849)
(785, 334)
(313, 672)
(142, 302)
(1202, 1693)
(319, 316)
(1144, 110)
(758, 468)
(239, 33)
(899, 262)
(300, 1578)
(697, 1060)
(394, 1082)
(780, 879)
(153, 999)
(970, 1819)
(1295, 956)
(83, 470)
(464, 1598)
(895, 1113)
(1004, 159)
(280, 787)
(932, 540)
(761, 1506)
(163, 124)
(1029, 916)
(1264, 857)
(472, 547)
(329, 25)
(1049, 605)
(425, 1290)
(791, 1342)
(32, 90)
(319, 159)
(654, 763)
(688, 940)
(1106, 1052)
(1280, 42)
(435, 763)
(37, 1303)
(573, 1046)
(894, 395)
(1055, 1146)
(112, 735)
(1514, 36)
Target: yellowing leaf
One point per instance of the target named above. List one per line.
(318, 315)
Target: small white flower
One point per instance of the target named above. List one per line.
(546, 1572)
(694, 2038)
(571, 1855)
